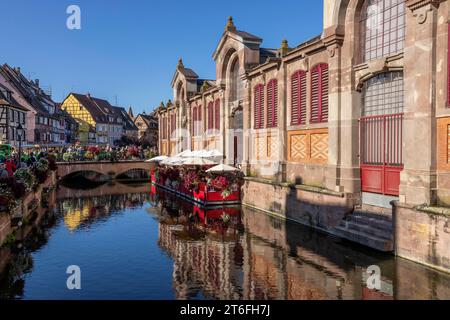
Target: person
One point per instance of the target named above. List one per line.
(10, 166)
(3, 173)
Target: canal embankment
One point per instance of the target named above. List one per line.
(34, 200)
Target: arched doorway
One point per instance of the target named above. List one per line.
(238, 136)
(381, 126)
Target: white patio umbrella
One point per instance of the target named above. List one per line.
(215, 153)
(222, 168)
(172, 161)
(198, 162)
(200, 154)
(185, 154)
(157, 159)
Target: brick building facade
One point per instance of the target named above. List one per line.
(355, 116)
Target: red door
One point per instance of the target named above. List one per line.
(381, 153)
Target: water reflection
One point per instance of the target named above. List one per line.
(225, 253)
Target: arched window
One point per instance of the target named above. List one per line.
(319, 93)
(382, 28)
(211, 115)
(217, 114)
(259, 106)
(298, 98)
(180, 94)
(383, 94)
(272, 103)
(236, 84)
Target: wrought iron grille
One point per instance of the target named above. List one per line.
(383, 94)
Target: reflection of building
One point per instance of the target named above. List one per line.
(271, 260)
(207, 265)
(86, 210)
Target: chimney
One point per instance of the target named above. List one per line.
(37, 82)
(17, 70)
(88, 95)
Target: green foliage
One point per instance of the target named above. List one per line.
(25, 175)
(10, 240)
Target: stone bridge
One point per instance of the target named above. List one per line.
(111, 169)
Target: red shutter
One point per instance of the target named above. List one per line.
(217, 114)
(448, 67)
(298, 92)
(255, 108)
(319, 93)
(259, 106)
(324, 93)
(199, 127)
(210, 115)
(194, 121)
(272, 103)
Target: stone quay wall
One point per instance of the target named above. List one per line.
(30, 203)
(422, 234)
(315, 207)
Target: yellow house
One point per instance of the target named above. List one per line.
(98, 123)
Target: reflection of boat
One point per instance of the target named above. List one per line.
(218, 223)
(204, 196)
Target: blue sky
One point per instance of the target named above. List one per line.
(129, 49)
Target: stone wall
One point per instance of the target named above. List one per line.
(30, 203)
(312, 206)
(422, 235)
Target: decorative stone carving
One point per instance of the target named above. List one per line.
(421, 8)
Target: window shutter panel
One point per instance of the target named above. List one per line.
(315, 95)
(324, 93)
(199, 120)
(270, 104)
(217, 114)
(261, 106)
(448, 67)
(275, 104)
(255, 108)
(295, 94)
(319, 93)
(194, 120)
(210, 115)
(303, 89)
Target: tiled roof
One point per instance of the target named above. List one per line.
(188, 73)
(30, 90)
(128, 124)
(247, 36)
(265, 53)
(13, 102)
(99, 109)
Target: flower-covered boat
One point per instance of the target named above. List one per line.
(197, 185)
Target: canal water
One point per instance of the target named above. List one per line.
(137, 242)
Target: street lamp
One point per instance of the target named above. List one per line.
(20, 133)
